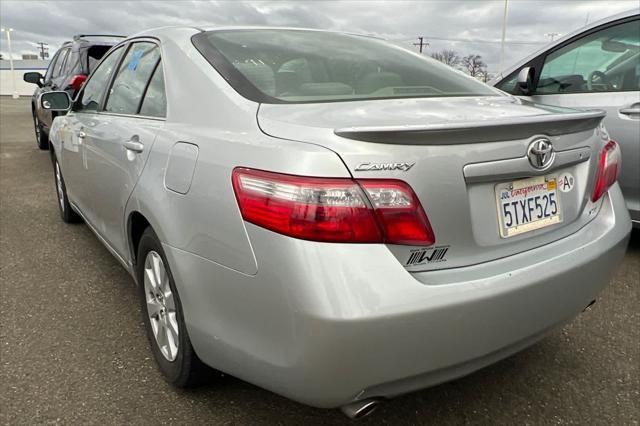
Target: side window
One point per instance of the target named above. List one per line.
(90, 98)
(92, 56)
(155, 99)
(509, 84)
(73, 60)
(605, 61)
(52, 65)
(60, 63)
(129, 84)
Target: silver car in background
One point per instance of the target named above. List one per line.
(595, 67)
(331, 217)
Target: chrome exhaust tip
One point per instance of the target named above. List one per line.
(359, 409)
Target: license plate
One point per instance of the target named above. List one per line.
(527, 204)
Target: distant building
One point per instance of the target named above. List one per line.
(30, 56)
(20, 66)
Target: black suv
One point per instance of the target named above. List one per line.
(67, 70)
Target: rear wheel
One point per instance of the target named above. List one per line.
(67, 213)
(164, 318)
(41, 137)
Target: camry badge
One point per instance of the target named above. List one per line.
(374, 167)
(541, 153)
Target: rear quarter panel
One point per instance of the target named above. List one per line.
(203, 110)
(206, 220)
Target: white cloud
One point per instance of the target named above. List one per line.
(55, 22)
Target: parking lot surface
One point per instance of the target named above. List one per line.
(73, 348)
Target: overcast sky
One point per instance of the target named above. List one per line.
(459, 21)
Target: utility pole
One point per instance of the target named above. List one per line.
(44, 50)
(504, 34)
(13, 75)
(421, 43)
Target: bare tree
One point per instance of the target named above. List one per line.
(447, 56)
(474, 65)
(486, 76)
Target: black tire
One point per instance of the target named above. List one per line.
(186, 370)
(42, 139)
(67, 214)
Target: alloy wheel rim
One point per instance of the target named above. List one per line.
(59, 186)
(161, 307)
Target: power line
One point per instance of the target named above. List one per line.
(468, 40)
(421, 43)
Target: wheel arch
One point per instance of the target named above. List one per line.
(136, 225)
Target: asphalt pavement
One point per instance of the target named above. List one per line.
(73, 348)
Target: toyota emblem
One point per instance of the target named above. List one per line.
(541, 153)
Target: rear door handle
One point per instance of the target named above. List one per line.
(630, 111)
(134, 145)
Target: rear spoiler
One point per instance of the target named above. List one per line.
(462, 132)
(84, 36)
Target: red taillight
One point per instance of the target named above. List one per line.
(332, 209)
(76, 81)
(399, 212)
(608, 169)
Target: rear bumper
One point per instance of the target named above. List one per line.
(325, 324)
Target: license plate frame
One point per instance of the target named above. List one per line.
(527, 189)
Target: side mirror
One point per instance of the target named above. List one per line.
(33, 77)
(614, 46)
(55, 101)
(525, 80)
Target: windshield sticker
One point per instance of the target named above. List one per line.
(427, 255)
(135, 60)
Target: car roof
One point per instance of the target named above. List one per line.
(160, 31)
(277, 28)
(550, 46)
(80, 41)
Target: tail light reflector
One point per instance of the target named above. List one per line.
(76, 81)
(332, 209)
(608, 169)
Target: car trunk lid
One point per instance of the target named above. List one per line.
(460, 156)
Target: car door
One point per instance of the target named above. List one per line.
(79, 125)
(598, 69)
(58, 77)
(44, 116)
(121, 139)
(53, 83)
(604, 70)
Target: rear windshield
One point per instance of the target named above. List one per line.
(94, 54)
(276, 66)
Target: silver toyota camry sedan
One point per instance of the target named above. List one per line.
(332, 217)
